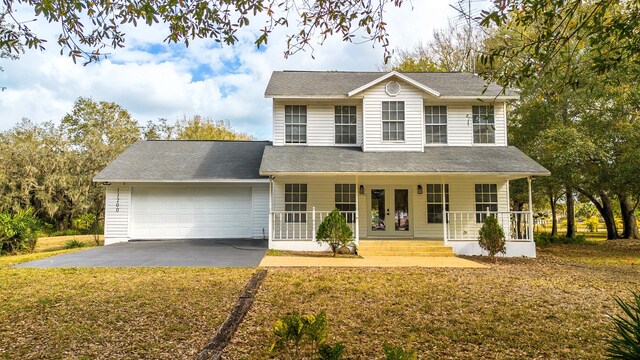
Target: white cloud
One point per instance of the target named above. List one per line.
(42, 86)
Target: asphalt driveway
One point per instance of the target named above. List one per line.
(148, 253)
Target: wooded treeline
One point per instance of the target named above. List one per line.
(576, 117)
(49, 167)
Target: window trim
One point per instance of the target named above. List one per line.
(473, 125)
(446, 201)
(481, 215)
(296, 218)
(404, 122)
(424, 125)
(306, 125)
(335, 125)
(342, 202)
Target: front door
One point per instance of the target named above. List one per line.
(389, 212)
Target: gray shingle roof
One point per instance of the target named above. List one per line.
(434, 160)
(338, 83)
(186, 161)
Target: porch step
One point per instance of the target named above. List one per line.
(404, 248)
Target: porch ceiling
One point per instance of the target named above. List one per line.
(440, 160)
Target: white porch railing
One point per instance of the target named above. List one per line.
(303, 225)
(464, 225)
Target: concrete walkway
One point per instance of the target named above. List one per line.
(370, 261)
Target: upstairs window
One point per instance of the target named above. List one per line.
(295, 202)
(434, 202)
(484, 125)
(435, 119)
(345, 197)
(393, 120)
(486, 200)
(345, 124)
(295, 124)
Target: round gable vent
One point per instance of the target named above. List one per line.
(393, 88)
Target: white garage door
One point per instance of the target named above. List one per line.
(189, 213)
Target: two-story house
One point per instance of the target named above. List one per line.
(413, 159)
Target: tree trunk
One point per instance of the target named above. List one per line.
(628, 210)
(609, 218)
(554, 217)
(571, 217)
(606, 211)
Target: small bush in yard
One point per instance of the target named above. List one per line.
(398, 353)
(625, 342)
(491, 236)
(544, 239)
(592, 223)
(18, 232)
(328, 352)
(301, 334)
(334, 231)
(73, 243)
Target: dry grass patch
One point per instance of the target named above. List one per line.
(57, 242)
(10, 260)
(553, 307)
(625, 253)
(151, 313)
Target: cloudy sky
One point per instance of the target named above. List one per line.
(154, 80)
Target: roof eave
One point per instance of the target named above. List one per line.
(399, 75)
(293, 97)
(484, 97)
(167, 181)
(474, 173)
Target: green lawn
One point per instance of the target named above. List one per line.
(553, 307)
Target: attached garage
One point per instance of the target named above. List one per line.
(188, 213)
(159, 190)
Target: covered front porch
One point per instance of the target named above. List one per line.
(441, 194)
(397, 208)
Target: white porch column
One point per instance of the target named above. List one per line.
(357, 227)
(313, 223)
(270, 211)
(530, 210)
(444, 212)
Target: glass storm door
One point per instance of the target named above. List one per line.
(401, 207)
(389, 212)
(378, 210)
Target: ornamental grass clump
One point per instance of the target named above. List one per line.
(299, 335)
(491, 237)
(335, 232)
(625, 342)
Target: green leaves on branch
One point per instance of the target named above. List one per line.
(543, 29)
(88, 26)
(18, 232)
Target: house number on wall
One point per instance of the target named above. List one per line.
(118, 200)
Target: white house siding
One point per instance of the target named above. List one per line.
(414, 118)
(321, 190)
(320, 121)
(260, 210)
(460, 122)
(116, 220)
(120, 224)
